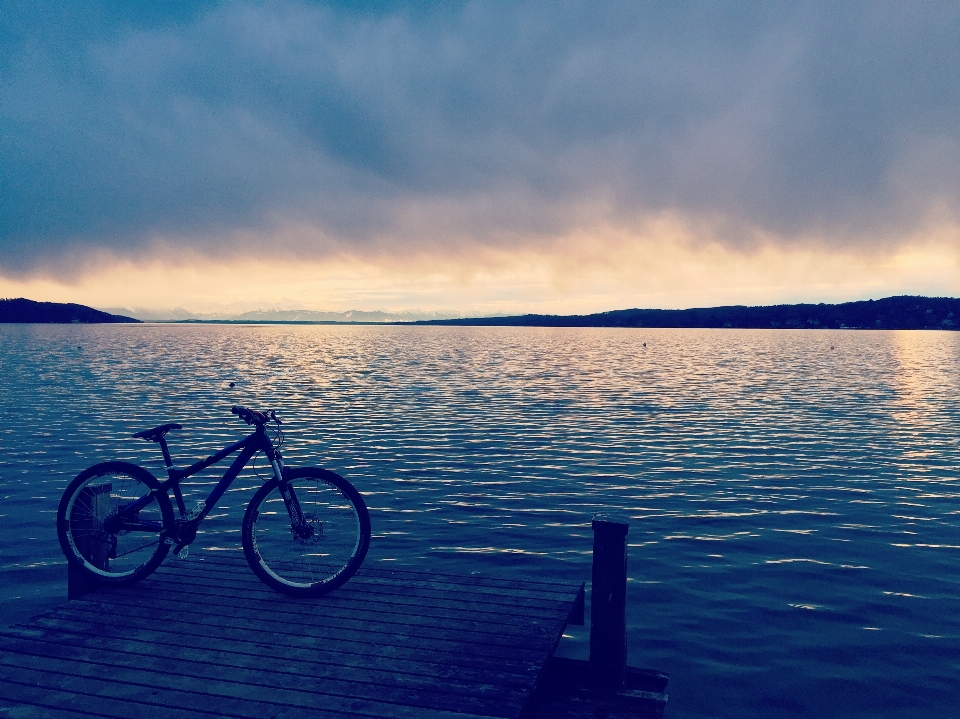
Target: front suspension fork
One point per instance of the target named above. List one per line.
(297, 520)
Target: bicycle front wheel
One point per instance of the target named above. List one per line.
(111, 522)
(310, 541)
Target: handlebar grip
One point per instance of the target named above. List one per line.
(249, 416)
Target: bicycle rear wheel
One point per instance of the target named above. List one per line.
(102, 539)
(316, 555)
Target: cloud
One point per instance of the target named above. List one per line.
(314, 130)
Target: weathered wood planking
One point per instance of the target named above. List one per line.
(204, 637)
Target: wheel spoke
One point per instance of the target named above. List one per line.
(137, 549)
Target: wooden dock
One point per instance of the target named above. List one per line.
(204, 638)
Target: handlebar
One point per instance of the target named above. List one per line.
(252, 416)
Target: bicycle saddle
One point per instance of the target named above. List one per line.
(156, 434)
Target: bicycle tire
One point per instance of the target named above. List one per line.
(125, 554)
(339, 534)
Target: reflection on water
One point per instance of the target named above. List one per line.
(794, 546)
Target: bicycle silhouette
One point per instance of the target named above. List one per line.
(305, 531)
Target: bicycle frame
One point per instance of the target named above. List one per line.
(248, 447)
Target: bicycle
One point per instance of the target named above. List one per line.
(305, 531)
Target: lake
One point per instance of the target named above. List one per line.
(794, 497)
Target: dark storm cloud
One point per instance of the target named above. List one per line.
(191, 123)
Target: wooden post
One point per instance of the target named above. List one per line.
(608, 604)
(91, 508)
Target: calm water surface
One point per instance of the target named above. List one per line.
(795, 509)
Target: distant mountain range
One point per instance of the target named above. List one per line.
(901, 313)
(179, 314)
(891, 313)
(28, 311)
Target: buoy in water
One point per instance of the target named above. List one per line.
(232, 384)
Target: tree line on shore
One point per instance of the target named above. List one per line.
(899, 313)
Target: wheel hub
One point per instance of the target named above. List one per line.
(310, 533)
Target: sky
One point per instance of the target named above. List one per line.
(478, 157)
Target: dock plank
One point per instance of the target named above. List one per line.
(198, 662)
(240, 641)
(367, 582)
(204, 637)
(276, 631)
(237, 695)
(482, 616)
(308, 662)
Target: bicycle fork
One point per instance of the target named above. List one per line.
(298, 522)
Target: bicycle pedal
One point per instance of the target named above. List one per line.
(184, 553)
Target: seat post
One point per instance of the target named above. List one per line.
(166, 452)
